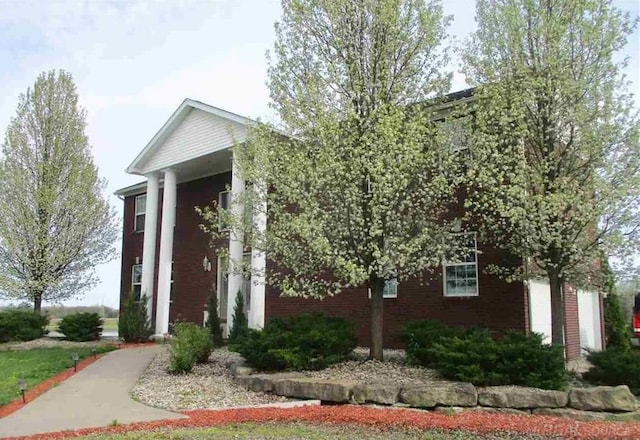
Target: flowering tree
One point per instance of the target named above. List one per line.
(55, 223)
(555, 151)
(359, 181)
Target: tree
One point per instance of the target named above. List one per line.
(55, 223)
(554, 122)
(617, 328)
(359, 182)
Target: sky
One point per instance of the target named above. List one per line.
(135, 61)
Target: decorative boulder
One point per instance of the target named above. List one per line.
(327, 390)
(384, 394)
(521, 397)
(603, 399)
(445, 394)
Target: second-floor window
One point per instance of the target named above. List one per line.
(141, 209)
(224, 198)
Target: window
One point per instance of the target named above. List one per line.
(224, 199)
(141, 208)
(136, 281)
(461, 274)
(390, 289)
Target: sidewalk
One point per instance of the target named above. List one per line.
(95, 396)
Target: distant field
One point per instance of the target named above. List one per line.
(109, 324)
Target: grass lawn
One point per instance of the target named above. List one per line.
(35, 366)
(108, 324)
(300, 431)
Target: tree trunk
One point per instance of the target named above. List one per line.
(37, 303)
(557, 310)
(375, 351)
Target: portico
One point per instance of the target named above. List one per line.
(195, 142)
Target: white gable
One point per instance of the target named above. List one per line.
(200, 133)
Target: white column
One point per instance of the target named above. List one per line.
(236, 244)
(166, 252)
(258, 258)
(149, 246)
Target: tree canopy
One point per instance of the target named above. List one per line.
(555, 152)
(56, 224)
(359, 176)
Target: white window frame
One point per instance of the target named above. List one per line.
(389, 291)
(139, 214)
(223, 194)
(446, 264)
(133, 278)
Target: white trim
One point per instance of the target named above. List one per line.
(176, 118)
(165, 260)
(475, 263)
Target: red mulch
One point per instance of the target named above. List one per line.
(380, 418)
(47, 384)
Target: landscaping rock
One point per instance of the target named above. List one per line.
(487, 409)
(259, 383)
(583, 416)
(603, 399)
(521, 397)
(241, 370)
(445, 394)
(384, 394)
(326, 390)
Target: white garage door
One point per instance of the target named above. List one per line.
(540, 308)
(589, 319)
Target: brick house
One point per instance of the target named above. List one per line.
(189, 163)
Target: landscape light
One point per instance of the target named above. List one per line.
(94, 352)
(75, 358)
(22, 386)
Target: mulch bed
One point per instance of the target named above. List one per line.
(47, 384)
(380, 418)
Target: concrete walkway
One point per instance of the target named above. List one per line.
(95, 396)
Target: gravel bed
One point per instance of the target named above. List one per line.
(207, 386)
(53, 343)
(394, 370)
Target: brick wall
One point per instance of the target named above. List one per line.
(571, 324)
(499, 306)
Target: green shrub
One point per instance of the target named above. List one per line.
(240, 327)
(213, 323)
(517, 359)
(22, 325)
(615, 366)
(134, 325)
(420, 336)
(617, 329)
(81, 327)
(304, 342)
(192, 344)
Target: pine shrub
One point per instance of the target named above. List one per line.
(615, 366)
(240, 328)
(81, 327)
(134, 324)
(304, 342)
(213, 322)
(420, 336)
(22, 325)
(616, 328)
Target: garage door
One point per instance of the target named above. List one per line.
(540, 308)
(589, 319)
